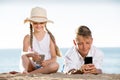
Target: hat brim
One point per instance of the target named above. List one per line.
(37, 20)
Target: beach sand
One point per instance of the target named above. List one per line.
(59, 76)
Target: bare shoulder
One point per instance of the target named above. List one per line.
(26, 42)
(27, 38)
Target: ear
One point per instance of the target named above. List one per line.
(74, 42)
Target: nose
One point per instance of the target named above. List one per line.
(84, 46)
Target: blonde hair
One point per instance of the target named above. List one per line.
(84, 31)
(58, 53)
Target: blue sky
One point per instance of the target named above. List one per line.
(101, 16)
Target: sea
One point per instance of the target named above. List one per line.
(10, 60)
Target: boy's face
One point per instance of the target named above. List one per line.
(83, 44)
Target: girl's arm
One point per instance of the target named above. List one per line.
(52, 51)
(26, 44)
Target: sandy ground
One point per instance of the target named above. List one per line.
(59, 76)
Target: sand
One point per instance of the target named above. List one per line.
(59, 76)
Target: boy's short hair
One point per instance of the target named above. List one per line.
(84, 31)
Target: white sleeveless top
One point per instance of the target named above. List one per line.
(43, 46)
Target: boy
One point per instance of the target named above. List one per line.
(74, 58)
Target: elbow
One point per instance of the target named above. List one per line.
(54, 58)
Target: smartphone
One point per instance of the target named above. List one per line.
(88, 60)
(42, 57)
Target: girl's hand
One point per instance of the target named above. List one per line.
(36, 56)
(45, 63)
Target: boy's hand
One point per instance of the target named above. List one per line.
(89, 68)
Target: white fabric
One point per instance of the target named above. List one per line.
(74, 60)
(43, 46)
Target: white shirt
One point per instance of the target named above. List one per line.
(73, 59)
(43, 46)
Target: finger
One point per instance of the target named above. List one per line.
(93, 71)
(86, 72)
(91, 65)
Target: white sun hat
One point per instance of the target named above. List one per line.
(38, 14)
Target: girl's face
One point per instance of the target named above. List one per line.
(38, 26)
(83, 44)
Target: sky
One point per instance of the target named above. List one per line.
(101, 16)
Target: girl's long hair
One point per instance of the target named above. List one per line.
(31, 37)
(58, 53)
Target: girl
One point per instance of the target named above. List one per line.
(39, 42)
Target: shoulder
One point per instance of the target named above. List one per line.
(26, 42)
(47, 36)
(27, 37)
(97, 51)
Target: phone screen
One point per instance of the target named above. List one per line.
(88, 60)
